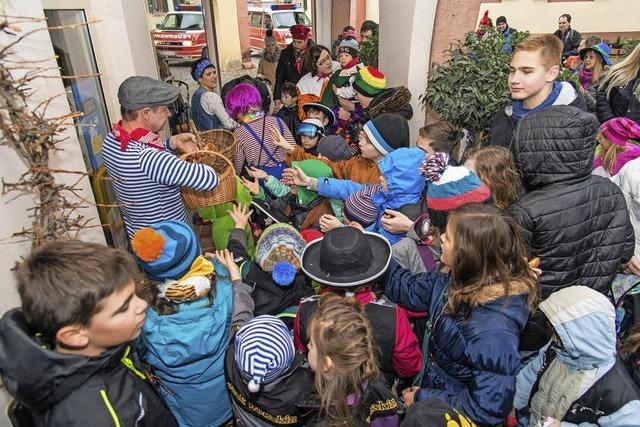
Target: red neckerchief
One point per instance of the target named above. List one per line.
(322, 76)
(299, 58)
(355, 61)
(141, 135)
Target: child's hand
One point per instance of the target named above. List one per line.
(632, 267)
(226, 258)
(409, 394)
(343, 114)
(295, 176)
(346, 104)
(551, 422)
(279, 140)
(334, 88)
(396, 222)
(356, 225)
(252, 186)
(328, 222)
(240, 214)
(257, 173)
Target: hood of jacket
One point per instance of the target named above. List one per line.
(584, 320)
(493, 298)
(391, 100)
(187, 343)
(40, 377)
(400, 169)
(555, 145)
(569, 95)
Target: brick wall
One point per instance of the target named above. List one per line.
(243, 29)
(454, 18)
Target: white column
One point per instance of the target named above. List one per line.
(404, 55)
(322, 24)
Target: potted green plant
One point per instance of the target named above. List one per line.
(471, 85)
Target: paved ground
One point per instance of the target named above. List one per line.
(182, 71)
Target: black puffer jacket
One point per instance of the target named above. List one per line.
(69, 390)
(577, 223)
(623, 101)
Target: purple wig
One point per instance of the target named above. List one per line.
(241, 99)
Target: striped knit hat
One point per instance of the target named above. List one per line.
(263, 350)
(166, 250)
(450, 187)
(620, 130)
(278, 251)
(369, 81)
(387, 132)
(359, 206)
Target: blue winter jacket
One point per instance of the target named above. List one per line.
(472, 363)
(400, 169)
(186, 350)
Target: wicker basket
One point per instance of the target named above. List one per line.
(224, 192)
(219, 140)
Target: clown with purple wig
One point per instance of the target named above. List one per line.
(255, 136)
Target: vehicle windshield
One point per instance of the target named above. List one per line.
(183, 21)
(287, 19)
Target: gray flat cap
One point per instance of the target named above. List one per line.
(136, 93)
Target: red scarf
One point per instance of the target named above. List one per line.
(299, 59)
(141, 135)
(355, 61)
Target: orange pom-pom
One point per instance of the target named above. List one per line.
(147, 244)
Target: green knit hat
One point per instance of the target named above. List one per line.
(313, 169)
(369, 81)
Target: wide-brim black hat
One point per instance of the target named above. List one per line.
(326, 110)
(346, 257)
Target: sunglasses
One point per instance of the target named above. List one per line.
(309, 129)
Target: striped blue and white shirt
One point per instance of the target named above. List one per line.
(147, 182)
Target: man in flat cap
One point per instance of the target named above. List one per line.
(147, 174)
(289, 68)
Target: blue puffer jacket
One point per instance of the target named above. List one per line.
(472, 364)
(186, 350)
(400, 168)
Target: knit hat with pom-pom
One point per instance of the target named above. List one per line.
(450, 187)
(278, 251)
(166, 250)
(264, 351)
(369, 81)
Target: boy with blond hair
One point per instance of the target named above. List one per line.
(66, 353)
(533, 74)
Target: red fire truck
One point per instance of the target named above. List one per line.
(277, 17)
(180, 36)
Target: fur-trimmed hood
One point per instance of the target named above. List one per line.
(391, 100)
(491, 293)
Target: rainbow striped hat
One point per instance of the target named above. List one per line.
(369, 81)
(451, 186)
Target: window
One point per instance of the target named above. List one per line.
(183, 21)
(287, 19)
(267, 23)
(256, 20)
(157, 6)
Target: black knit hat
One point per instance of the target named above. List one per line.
(501, 19)
(387, 132)
(432, 412)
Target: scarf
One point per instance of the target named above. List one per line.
(299, 57)
(321, 76)
(585, 78)
(631, 152)
(355, 61)
(193, 285)
(272, 57)
(141, 135)
(518, 106)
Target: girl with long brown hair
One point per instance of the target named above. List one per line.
(495, 167)
(477, 311)
(344, 357)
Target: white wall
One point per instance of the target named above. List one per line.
(13, 215)
(373, 10)
(404, 55)
(322, 25)
(592, 17)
